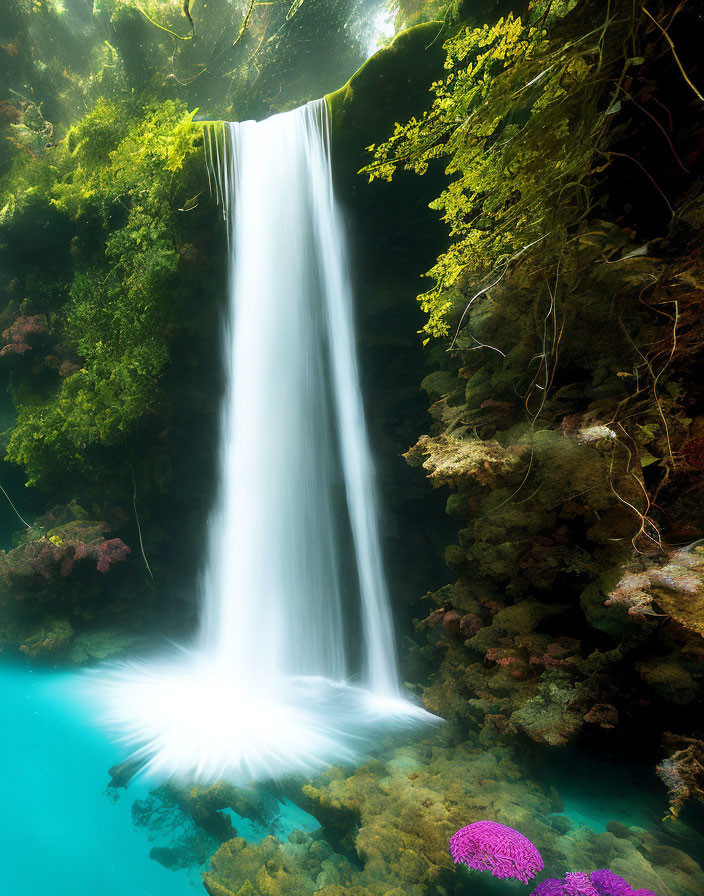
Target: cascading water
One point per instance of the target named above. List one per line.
(267, 687)
(289, 335)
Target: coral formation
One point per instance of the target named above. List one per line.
(597, 883)
(489, 846)
(386, 827)
(48, 580)
(609, 884)
(272, 868)
(574, 884)
(682, 771)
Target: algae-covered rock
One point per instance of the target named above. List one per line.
(682, 771)
(102, 644)
(299, 867)
(393, 83)
(454, 461)
(552, 716)
(51, 637)
(49, 581)
(670, 679)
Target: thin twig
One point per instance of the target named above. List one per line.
(19, 516)
(486, 289)
(168, 30)
(136, 516)
(674, 53)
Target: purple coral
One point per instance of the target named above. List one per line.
(490, 846)
(598, 883)
(577, 883)
(609, 884)
(550, 887)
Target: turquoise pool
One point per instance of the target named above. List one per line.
(63, 831)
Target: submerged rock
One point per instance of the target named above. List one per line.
(386, 828)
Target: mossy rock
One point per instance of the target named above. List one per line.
(391, 86)
(51, 637)
(613, 620)
(548, 718)
(523, 617)
(441, 383)
(670, 679)
(455, 558)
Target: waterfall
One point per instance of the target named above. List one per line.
(271, 685)
(292, 374)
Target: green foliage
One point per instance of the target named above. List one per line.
(515, 95)
(112, 181)
(119, 153)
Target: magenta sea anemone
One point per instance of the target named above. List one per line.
(609, 884)
(490, 846)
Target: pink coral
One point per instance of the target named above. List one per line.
(549, 887)
(17, 334)
(576, 883)
(105, 553)
(15, 348)
(111, 551)
(598, 883)
(490, 846)
(42, 558)
(609, 884)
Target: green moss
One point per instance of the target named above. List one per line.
(523, 618)
(440, 383)
(485, 123)
(117, 181)
(670, 678)
(550, 717)
(393, 83)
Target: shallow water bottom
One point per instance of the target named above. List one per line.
(65, 832)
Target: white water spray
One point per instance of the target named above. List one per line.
(267, 688)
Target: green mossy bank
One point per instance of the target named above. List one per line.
(111, 253)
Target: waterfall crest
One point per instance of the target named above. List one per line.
(271, 685)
